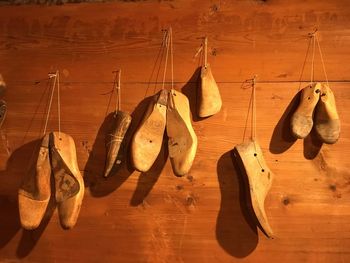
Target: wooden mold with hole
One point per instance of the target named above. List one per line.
(302, 119)
(209, 95)
(327, 123)
(35, 190)
(147, 140)
(209, 99)
(69, 184)
(182, 142)
(252, 164)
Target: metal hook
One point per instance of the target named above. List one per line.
(249, 83)
(202, 48)
(312, 34)
(199, 50)
(52, 75)
(165, 37)
(202, 38)
(254, 80)
(117, 77)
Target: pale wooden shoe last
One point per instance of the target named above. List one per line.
(327, 123)
(121, 123)
(301, 121)
(210, 100)
(260, 178)
(69, 183)
(35, 191)
(147, 141)
(182, 142)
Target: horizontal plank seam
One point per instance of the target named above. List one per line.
(179, 82)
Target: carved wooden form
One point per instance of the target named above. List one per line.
(147, 141)
(69, 183)
(210, 100)
(182, 142)
(115, 140)
(317, 107)
(34, 192)
(327, 123)
(302, 119)
(252, 163)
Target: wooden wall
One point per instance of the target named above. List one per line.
(156, 216)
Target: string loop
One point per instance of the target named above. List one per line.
(167, 44)
(169, 48)
(250, 83)
(322, 61)
(203, 50)
(117, 88)
(171, 57)
(314, 39)
(56, 81)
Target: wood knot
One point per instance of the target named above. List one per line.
(190, 178)
(190, 200)
(333, 187)
(215, 8)
(179, 187)
(286, 201)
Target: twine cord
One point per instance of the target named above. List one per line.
(54, 75)
(167, 42)
(205, 55)
(322, 61)
(117, 89)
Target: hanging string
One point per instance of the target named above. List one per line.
(313, 58)
(314, 39)
(171, 57)
(203, 50)
(56, 77)
(252, 108)
(322, 61)
(303, 67)
(311, 37)
(58, 103)
(167, 42)
(205, 55)
(253, 129)
(250, 83)
(161, 54)
(157, 66)
(117, 88)
(199, 50)
(51, 97)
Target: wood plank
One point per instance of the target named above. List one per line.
(157, 217)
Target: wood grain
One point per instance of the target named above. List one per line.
(155, 216)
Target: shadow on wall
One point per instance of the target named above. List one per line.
(282, 138)
(9, 220)
(16, 167)
(312, 145)
(148, 179)
(93, 172)
(192, 92)
(100, 186)
(94, 168)
(236, 229)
